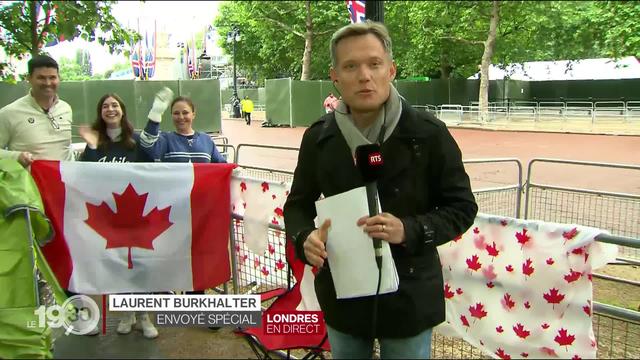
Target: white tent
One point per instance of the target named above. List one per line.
(587, 69)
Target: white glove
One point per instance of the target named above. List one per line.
(160, 104)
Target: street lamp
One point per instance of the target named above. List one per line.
(233, 36)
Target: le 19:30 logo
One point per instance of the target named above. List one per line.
(78, 315)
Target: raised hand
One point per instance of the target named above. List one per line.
(89, 135)
(160, 104)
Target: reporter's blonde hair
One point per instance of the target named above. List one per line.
(368, 27)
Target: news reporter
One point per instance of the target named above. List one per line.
(424, 191)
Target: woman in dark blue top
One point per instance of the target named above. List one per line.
(182, 145)
(111, 138)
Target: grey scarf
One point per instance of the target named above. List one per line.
(388, 117)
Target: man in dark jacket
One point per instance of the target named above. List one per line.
(425, 196)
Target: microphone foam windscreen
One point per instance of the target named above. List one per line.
(369, 161)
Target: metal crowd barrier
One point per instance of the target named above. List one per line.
(503, 199)
(563, 111)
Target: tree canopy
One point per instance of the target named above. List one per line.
(439, 39)
(28, 26)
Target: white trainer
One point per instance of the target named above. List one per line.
(125, 324)
(148, 329)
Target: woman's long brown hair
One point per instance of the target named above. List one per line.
(126, 137)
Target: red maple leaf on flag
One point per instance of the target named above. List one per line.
(476, 230)
(489, 274)
(545, 326)
(478, 242)
(473, 263)
(527, 269)
(527, 305)
(553, 296)
(271, 249)
(237, 247)
(492, 250)
(264, 271)
(568, 235)
(563, 338)
(490, 285)
(550, 261)
(279, 264)
(477, 311)
(576, 357)
(256, 262)
(587, 308)
(455, 239)
(548, 351)
(522, 237)
(243, 186)
(448, 294)
(572, 276)
(502, 355)
(499, 329)
(286, 193)
(127, 227)
(459, 291)
(464, 320)
(265, 186)
(504, 222)
(507, 302)
(275, 221)
(509, 268)
(524, 354)
(273, 196)
(521, 331)
(244, 258)
(278, 211)
(578, 251)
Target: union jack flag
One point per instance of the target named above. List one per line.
(135, 60)
(356, 11)
(149, 63)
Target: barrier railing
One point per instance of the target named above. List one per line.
(612, 211)
(498, 200)
(574, 111)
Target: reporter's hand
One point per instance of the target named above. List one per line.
(89, 135)
(160, 104)
(314, 245)
(383, 226)
(25, 158)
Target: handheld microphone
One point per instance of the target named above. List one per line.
(369, 161)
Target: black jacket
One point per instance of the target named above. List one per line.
(423, 183)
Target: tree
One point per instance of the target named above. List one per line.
(83, 58)
(278, 37)
(31, 25)
(70, 70)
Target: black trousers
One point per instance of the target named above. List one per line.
(247, 118)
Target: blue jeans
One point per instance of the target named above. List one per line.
(345, 346)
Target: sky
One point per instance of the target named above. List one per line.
(180, 19)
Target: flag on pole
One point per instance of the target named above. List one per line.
(356, 11)
(150, 55)
(135, 59)
(136, 227)
(190, 64)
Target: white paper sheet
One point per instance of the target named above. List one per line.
(350, 250)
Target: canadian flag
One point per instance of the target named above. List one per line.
(134, 227)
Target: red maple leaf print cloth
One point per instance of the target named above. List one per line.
(539, 287)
